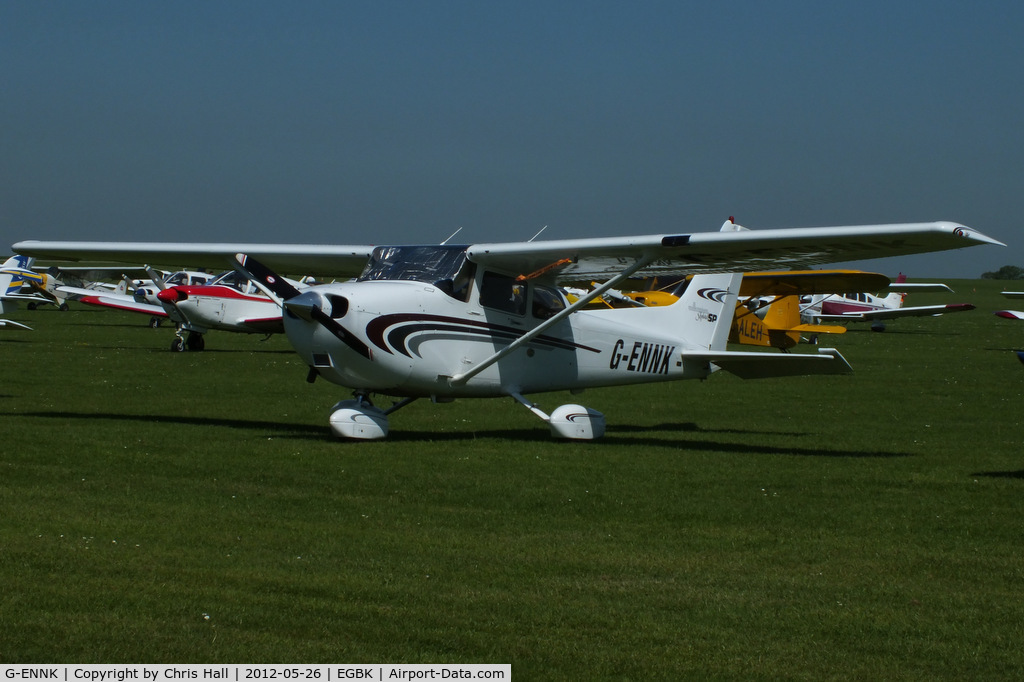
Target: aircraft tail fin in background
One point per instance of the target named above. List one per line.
(16, 261)
(783, 313)
(12, 276)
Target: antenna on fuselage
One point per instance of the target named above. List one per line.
(537, 235)
(451, 235)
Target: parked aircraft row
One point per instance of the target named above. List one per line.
(775, 307)
(491, 320)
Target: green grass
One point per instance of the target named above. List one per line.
(163, 507)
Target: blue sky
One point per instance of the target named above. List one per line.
(384, 122)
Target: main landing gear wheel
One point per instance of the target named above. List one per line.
(574, 422)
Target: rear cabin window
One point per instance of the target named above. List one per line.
(502, 292)
(546, 302)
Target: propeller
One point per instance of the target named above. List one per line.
(252, 268)
(306, 305)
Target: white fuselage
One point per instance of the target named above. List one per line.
(845, 304)
(205, 307)
(419, 337)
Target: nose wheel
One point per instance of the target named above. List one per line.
(360, 419)
(191, 341)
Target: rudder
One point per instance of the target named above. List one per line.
(707, 308)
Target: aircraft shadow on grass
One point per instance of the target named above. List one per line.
(1000, 474)
(615, 437)
(314, 432)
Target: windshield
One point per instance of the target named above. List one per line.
(235, 281)
(432, 264)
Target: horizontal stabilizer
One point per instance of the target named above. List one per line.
(819, 329)
(754, 365)
(31, 298)
(799, 282)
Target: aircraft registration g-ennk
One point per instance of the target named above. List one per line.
(488, 320)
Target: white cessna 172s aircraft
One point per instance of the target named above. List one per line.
(488, 320)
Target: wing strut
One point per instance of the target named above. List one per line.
(459, 379)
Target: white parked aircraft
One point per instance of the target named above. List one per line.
(1013, 314)
(487, 320)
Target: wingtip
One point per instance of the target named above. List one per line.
(974, 235)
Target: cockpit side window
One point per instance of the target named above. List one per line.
(503, 292)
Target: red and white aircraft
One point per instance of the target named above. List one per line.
(1011, 314)
(198, 303)
(488, 320)
(231, 302)
(875, 308)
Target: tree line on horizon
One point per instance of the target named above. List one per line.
(1005, 272)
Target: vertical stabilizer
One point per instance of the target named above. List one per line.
(707, 308)
(12, 275)
(783, 314)
(708, 305)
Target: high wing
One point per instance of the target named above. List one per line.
(893, 313)
(323, 260)
(1012, 294)
(92, 272)
(736, 250)
(800, 282)
(725, 251)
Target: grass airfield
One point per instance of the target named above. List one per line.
(165, 507)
